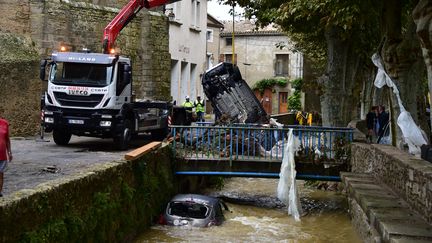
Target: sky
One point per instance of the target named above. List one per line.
(221, 12)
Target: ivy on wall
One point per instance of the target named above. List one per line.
(264, 84)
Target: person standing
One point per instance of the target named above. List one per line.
(5, 150)
(383, 120)
(371, 119)
(188, 106)
(199, 109)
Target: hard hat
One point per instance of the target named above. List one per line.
(187, 96)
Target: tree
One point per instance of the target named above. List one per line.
(337, 33)
(345, 33)
(422, 15)
(401, 54)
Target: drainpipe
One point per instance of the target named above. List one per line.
(233, 45)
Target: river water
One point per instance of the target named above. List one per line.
(325, 217)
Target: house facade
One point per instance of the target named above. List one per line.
(187, 46)
(214, 29)
(260, 54)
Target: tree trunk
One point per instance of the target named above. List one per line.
(368, 89)
(337, 101)
(423, 18)
(402, 60)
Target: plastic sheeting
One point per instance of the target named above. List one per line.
(412, 134)
(287, 186)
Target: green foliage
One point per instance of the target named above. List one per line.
(269, 83)
(294, 101)
(297, 84)
(308, 22)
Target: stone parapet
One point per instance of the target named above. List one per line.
(380, 215)
(408, 176)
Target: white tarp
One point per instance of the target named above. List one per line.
(412, 134)
(287, 186)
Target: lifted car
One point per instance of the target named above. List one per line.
(230, 95)
(193, 210)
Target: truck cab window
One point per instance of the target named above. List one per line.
(81, 74)
(121, 83)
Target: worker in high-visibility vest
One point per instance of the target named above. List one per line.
(188, 106)
(299, 117)
(199, 109)
(309, 119)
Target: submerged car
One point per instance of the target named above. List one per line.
(194, 210)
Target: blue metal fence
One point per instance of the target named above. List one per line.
(260, 143)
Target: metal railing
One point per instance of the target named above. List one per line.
(256, 142)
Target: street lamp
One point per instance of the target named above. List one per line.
(171, 15)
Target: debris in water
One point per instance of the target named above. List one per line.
(287, 186)
(51, 169)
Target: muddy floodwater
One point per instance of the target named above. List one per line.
(260, 217)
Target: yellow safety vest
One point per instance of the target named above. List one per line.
(187, 104)
(309, 119)
(299, 117)
(199, 106)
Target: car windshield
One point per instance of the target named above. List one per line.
(188, 209)
(84, 74)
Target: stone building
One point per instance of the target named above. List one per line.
(187, 46)
(214, 28)
(262, 54)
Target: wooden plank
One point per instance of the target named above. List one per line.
(137, 153)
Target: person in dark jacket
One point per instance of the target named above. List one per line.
(383, 120)
(371, 119)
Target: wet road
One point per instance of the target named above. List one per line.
(38, 161)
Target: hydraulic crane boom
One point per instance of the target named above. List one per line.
(123, 18)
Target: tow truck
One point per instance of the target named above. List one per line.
(90, 94)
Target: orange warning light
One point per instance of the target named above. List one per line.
(62, 48)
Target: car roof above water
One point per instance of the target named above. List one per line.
(195, 198)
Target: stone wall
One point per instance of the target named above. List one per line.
(47, 25)
(20, 88)
(406, 175)
(111, 202)
(80, 24)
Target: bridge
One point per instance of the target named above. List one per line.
(244, 150)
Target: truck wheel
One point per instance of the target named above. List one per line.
(159, 134)
(61, 137)
(122, 139)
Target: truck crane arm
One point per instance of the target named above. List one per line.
(126, 14)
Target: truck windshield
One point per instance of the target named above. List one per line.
(85, 74)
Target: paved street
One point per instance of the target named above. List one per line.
(38, 161)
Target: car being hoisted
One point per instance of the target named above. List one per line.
(193, 210)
